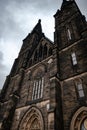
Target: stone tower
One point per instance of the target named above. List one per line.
(47, 86)
(71, 42)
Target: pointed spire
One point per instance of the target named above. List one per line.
(39, 21)
(66, 2)
(38, 27)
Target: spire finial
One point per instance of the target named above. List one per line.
(38, 27)
(39, 21)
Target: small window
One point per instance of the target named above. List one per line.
(74, 60)
(38, 89)
(80, 90)
(69, 34)
(48, 106)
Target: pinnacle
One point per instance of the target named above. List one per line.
(39, 21)
(38, 28)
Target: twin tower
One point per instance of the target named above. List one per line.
(47, 86)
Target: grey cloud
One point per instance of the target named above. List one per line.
(2, 70)
(17, 18)
(83, 6)
(8, 21)
(44, 5)
(2, 67)
(37, 5)
(8, 27)
(12, 10)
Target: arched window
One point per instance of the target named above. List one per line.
(38, 89)
(79, 120)
(32, 120)
(69, 34)
(80, 90)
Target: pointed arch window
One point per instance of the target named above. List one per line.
(38, 89)
(69, 34)
(80, 90)
(74, 59)
(32, 120)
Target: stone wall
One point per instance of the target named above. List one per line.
(71, 101)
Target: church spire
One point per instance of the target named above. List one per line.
(66, 2)
(38, 27)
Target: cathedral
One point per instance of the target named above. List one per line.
(47, 86)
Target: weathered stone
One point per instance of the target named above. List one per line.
(45, 89)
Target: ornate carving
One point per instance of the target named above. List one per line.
(32, 120)
(78, 118)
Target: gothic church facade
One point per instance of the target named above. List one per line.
(47, 86)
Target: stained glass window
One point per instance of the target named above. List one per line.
(38, 89)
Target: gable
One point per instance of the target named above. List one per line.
(41, 52)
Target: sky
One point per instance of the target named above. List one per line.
(17, 19)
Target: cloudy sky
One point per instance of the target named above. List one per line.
(17, 18)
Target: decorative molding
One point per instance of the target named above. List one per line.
(32, 114)
(78, 118)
